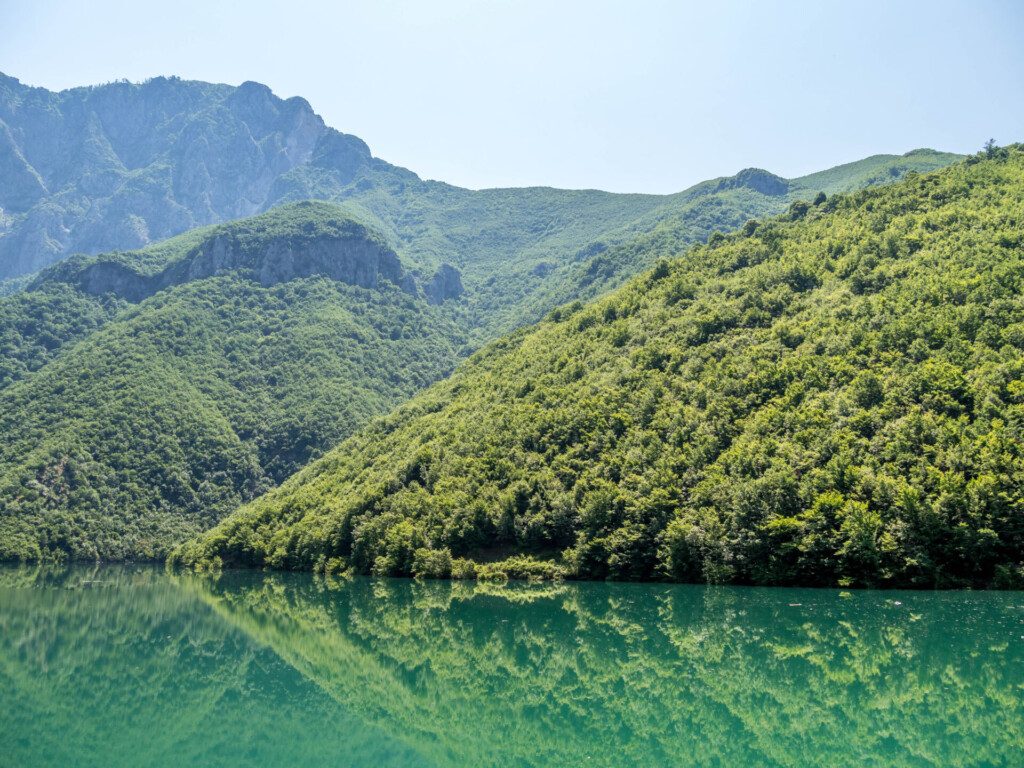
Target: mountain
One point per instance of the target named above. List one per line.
(835, 396)
(122, 165)
(145, 395)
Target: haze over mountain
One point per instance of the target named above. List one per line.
(835, 396)
(122, 165)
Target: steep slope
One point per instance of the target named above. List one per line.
(121, 165)
(835, 396)
(145, 395)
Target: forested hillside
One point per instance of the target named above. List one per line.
(835, 396)
(145, 395)
(523, 251)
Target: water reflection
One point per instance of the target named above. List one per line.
(122, 667)
(616, 674)
(453, 674)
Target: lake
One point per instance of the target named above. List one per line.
(129, 666)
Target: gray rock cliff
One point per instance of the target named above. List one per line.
(118, 166)
(351, 260)
(444, 285)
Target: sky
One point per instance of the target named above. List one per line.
(633, 96)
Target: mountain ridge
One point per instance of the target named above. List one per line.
(332, 245)
(122, 165)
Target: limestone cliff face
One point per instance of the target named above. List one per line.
(445, 284)
(351, 260)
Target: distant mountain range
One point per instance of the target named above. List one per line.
(120, 166)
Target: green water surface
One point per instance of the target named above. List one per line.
(129, 666)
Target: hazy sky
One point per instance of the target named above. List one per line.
(627, 96)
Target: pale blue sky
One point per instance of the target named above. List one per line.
(627, 96)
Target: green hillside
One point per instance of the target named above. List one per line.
(834, 396)
(128, 425)
(523, 251)
(145, 394)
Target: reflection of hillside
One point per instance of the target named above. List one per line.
(601, 674)
(121, 667)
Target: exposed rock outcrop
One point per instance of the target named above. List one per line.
(758, 180)
(122, 165)
(352, 260)
(445, 284)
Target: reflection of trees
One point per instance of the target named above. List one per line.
(118, 666)
(646, 674)
(109, 665)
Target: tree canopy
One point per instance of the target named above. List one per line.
(834, 396)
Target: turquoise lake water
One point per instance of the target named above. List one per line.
(129, 666)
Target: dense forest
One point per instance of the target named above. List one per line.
(834, 396)
(145, 394)
(130, 425)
